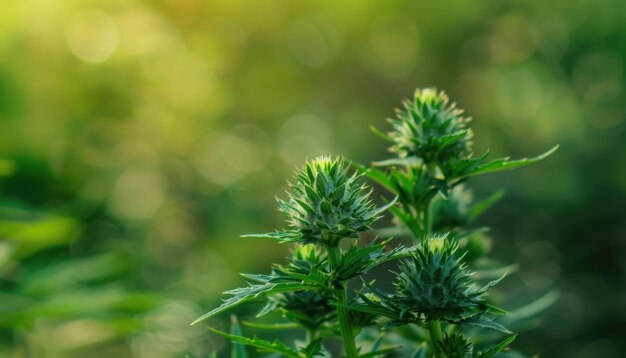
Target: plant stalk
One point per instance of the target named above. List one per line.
(428, 220)
(434, 327)
(428, 209)
(343, 316)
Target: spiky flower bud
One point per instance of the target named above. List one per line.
(326, 204)
(430, 127)
(309, 309)
(454, 345)
(436, 283)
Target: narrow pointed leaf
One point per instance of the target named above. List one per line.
(479, 208)
(271, 327)
(534, 307)
(245, 294)
(497, 348)
(506, 164)
(238, 350)
(260, 344)
(483, 322)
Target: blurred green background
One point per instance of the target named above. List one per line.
(138, 140)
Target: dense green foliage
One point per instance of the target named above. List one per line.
(433, 285)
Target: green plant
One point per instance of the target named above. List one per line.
(436, 305)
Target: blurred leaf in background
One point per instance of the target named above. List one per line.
(140, 139)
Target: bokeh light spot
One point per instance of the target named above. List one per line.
(394, 46)
(137, 195)
(519, 93)
(303, 135)
(313, 41)
(92, 36)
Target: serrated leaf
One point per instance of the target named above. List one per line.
(492, 283)
(506, 164)
(262, 345)
(245, 294)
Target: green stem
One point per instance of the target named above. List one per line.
(428, 209)
(428, 220)
(434, 327)
(343, 315)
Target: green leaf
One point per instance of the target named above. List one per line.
(495, 310)
(484, 322)
(245, 294)
(492, 283)
(280, 236)
(405, 162)
(271, 327)
(260, 344)
(381, 134)
(420, 352)
(377, 176)
(238, 350)
(479, 208)
(533, 308)
(484, 274)
(312, 349)
(377, 343)
(384, 208)
(506, 164)
(497, 348)
(449, 139)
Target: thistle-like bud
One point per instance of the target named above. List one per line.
(454, 345)
(436, 282)
(309, 309)
(326, 204)
(430, 127)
